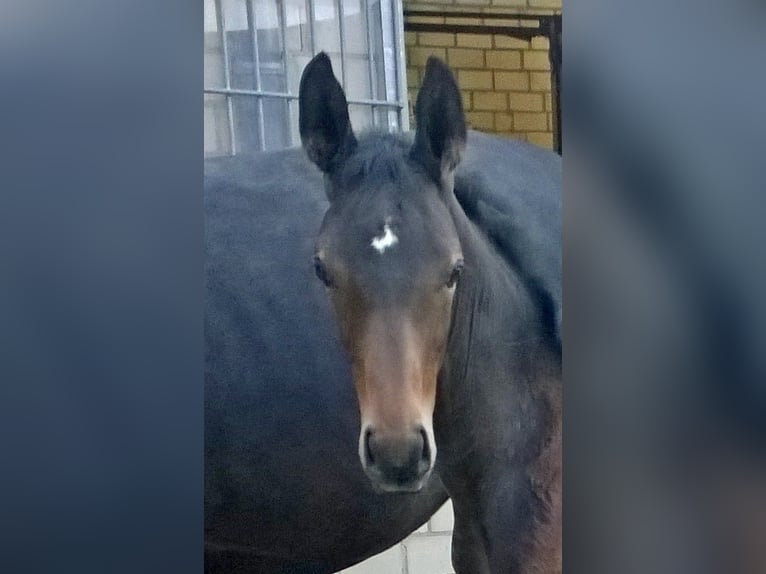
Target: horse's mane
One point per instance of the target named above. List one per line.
(529, 248)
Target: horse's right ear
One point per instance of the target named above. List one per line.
(440, 134)
(323, 121)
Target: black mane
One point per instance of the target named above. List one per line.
(521, 221)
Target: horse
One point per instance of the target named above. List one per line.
(435, 324)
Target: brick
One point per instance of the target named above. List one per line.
(481, 120)
(474, 40)
(429, 554)
(467, 101)
(465, 58)
(540, 81)
(389, 562)
(436, 39)
(410, 38)
(530, 122)
(516, 81)
(465, 21)
(504, 59)
(548, 102)
(536, 61)
(430, 19)
(553, 4)
(503, 122)
(540, 43)
(517, 3)
(543, 139)
(418, 55)
(412, 96)
(506, 42)
(474, 79)
(413, 77)
(525, 102)
(443, 519)
(496, 101)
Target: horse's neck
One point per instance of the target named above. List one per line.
(496, 345)
(493, 310)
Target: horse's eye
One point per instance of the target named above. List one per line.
(457, 269)
(321, 271)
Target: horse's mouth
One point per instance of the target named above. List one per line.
(392, 488)
(383, 485)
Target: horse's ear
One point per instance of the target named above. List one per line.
(323, 115)
(440, 133)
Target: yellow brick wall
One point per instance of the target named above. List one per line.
(505, 82)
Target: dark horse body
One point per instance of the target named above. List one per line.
(285, 491)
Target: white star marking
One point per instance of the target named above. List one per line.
(386, 240)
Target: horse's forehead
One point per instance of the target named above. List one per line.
(383, 217)
(388, 226)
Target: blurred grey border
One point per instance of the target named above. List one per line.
(665, 276)
(100, 299)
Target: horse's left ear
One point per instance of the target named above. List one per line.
(441, 133)
(323, 119)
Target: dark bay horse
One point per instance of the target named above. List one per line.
(443, 313)
(450, 346)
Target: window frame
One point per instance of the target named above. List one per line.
(392, 54)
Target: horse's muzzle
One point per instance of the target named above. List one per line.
(396, 463)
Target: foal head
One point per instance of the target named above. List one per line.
(390, 257)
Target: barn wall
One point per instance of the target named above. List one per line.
(425, 551)
(506, 82)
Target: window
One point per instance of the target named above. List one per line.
(255, 52)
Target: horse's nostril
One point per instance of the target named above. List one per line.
(395, 458)
(426, 453)
(367, 448)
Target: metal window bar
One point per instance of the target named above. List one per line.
(221, 23)
(394, 66)
(251, 23)
(400, 59)
(263, 94)
(342, 32)
(283, 40)
(392, 51)
(311, 17)
(370, 56)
